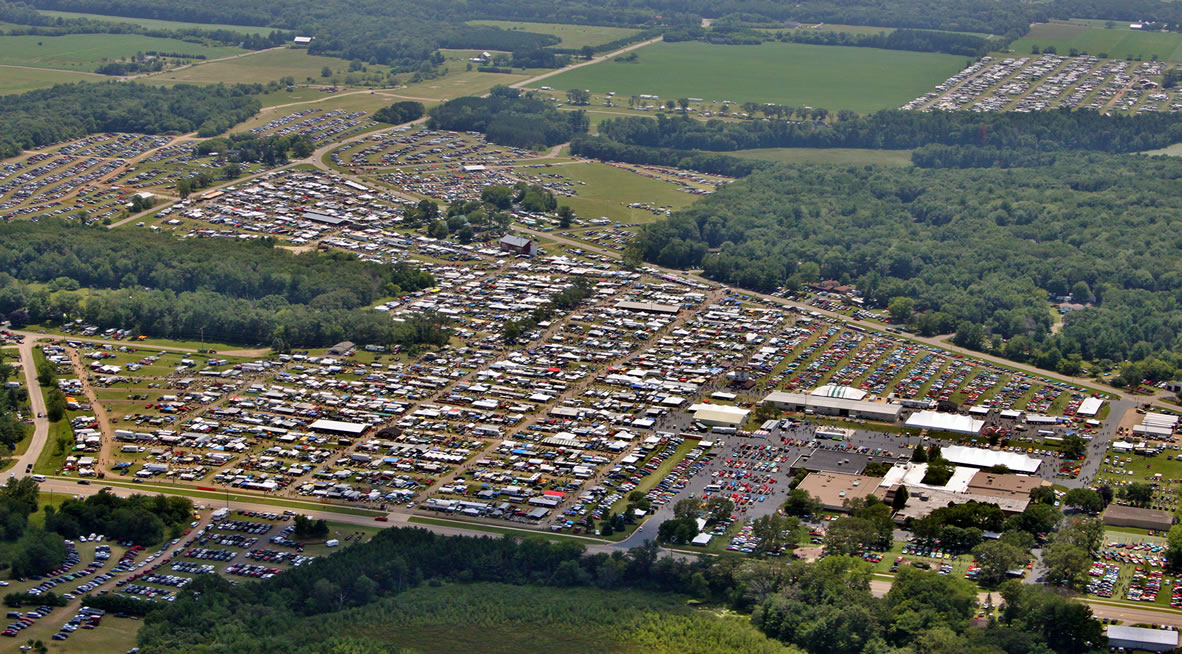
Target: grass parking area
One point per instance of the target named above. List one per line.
(573, 36)
(607, 191)
(17, 79)
(833, 77)
(260, 67)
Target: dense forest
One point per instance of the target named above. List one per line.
(12, 400)
(1045, 131)
(508, 118)
(230, 290)
(733, 30)
(141, 519)
(67, 111)
(406, 584)
(984, 247)
(705, 162)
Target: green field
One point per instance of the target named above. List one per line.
(1119, 42)
(160, 24)
(862, 79)
(573, 36)
(829, 156)
(14, 79)
(262, 67)
(609, 190)
(85, 52)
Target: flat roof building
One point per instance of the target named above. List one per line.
(921, 502)
(1130, 516)
(997, 485)
(1090, 407)
(337, 427)
(719, 415)
(835, 406)
(850, 463)
(834, 488)
(647, 307)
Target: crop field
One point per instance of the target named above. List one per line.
(862, 79)
(84, 52)
(1118, 42)
(573, 36)
(151, 23)
(829, 156)
(15, 79)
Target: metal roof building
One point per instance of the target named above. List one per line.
(1153, 640)
(835, 406)
(949, 422)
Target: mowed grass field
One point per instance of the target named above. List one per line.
(1120, 42)
(829, 156)
(573, 36)
(160, 24)
(861, 79)
(84, 52)
(609, 190)
(261, 67)
(18, 80)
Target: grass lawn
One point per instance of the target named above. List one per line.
(855, 156)
(260, 67)
(1120, 42)
(609, 190)
(14, 79)
(520, 533)
(862, 79)
(160, 24)
(573, 36)
(85, 52)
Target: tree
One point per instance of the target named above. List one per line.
(901, 309)
(996, 558)
(1174, 544)
(1067, 565)
(719, 508)
(920, 455)
(326, 71)
(512, 332)
(55, 405)
(679, 531)
(36, 552)
(687, 508)
(565, 215)
(1042, 495)
(1084, 499)
(1085, 533)
(578, 96)
(801, 503)
(1081, 293)
(850, 536)
(184, 188)
(775, 532)
(46, 372)
(683, 103)
(901, 497)
(1138, 494)
(1074, 447)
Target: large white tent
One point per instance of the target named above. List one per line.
(949, 422)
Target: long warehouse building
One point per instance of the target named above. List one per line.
(835, 406)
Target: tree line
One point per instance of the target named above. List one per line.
(1045, 131)
(66, 111)
(737, 31)
(598, 147)
(506, 117)
(979, 252)
(820, 608)
(244, 292)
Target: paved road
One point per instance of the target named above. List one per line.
(37, 402)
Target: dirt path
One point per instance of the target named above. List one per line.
(56, 70)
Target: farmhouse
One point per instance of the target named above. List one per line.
(834, 488)
(519, 244)
(835, 406)
(1129, 516)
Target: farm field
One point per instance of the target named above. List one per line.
(152, 23)
(573, 36)
(829, 156)
(16, 79)
(84, 52)
(1118, 42)
(862, 79)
